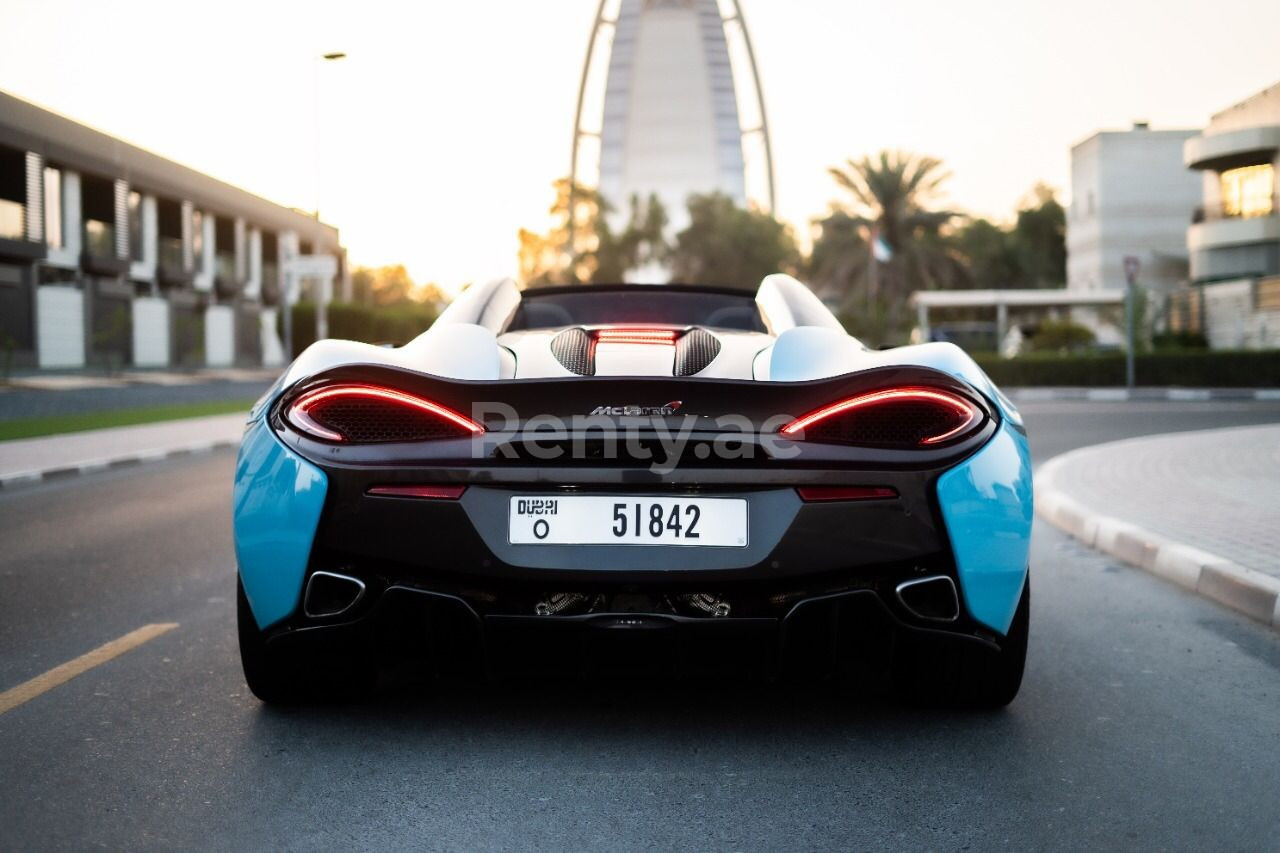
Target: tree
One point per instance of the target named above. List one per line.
(892, 195)
(990, 255)
(389, 285)
(1040, 239)
(596, 254)
(837, 265)
(725, 244)
(549, 258)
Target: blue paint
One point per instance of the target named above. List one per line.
(987, 506)
(276, 505)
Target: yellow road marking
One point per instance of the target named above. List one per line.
(29, 690)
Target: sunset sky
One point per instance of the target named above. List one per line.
(444, 127)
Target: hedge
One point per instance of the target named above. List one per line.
(1233, 369)
(355, 321)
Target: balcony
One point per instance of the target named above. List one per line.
(225, 280)
(1233, 148)
(99, 254)
(171, 265)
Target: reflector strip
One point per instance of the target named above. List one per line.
(958, 404)
(450, 493)
(845, 493)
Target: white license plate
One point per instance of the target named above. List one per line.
(611, 520)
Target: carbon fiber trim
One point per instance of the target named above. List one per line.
(696, 349)
(572, 348)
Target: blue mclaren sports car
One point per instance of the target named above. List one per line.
(611, 478)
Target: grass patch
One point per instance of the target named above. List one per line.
(56, 424)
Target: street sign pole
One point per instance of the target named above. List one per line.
(289, 285)
(1131, 266)
(321, 267)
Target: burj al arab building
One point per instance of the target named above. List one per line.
(680, 111)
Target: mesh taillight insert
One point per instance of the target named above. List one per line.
(364, 414)
(899, 417)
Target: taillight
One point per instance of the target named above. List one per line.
(898, 417)
(371, 413)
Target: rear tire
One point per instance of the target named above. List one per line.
(965, 674)
(294, 674)
(264, 672)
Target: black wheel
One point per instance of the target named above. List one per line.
(285, 676)
(964, 674)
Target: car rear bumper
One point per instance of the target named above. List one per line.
(294, 517)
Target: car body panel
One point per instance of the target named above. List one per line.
(987, 504)
(276, 506)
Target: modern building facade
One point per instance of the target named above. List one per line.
(112, 255)
(671, 125)
(1234, 235)
(1130, 195)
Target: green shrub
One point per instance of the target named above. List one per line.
(1233, 369)
(1061, 336)
(1179, 341)
(357, 321)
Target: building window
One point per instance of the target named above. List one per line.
(53, 207)
(1249, 191)
(13, 194)
(135, 225)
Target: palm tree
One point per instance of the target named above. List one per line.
(906, 249)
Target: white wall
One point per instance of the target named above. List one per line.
(69, 254)
(272, 346)
(60, 326)
(219, 336)
(1130, 195)
(150, 332)
(145, 269)
(1230, 321)
(204, 278)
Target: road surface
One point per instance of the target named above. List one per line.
(1148, 718)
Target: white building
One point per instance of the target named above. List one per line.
(1130, 195)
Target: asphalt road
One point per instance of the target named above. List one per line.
(1148, 718)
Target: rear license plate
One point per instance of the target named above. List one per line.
(610, 520)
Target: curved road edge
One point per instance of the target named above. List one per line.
(1248, 591)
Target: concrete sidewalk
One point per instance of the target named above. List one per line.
(31, 460)
(1201, 509)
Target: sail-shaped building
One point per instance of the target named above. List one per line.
(670, 124)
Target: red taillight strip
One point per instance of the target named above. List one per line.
(656, 337)
(450, 493)
(845, 493)
(300, 410)
(958, 404)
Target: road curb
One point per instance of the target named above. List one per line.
(1253, 593)
(31, 478)
(1124, 395)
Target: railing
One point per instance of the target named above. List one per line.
(1216, 212)
(225, 267)
(13, 220)
(169, 253)
(99, 238)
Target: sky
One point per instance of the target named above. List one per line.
(439, 135)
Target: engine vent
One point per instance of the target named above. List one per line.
(572, 348)
(696, 349)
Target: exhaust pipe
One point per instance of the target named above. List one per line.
(329, 594)
(933, 599)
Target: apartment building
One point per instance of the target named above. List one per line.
(113, 256)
